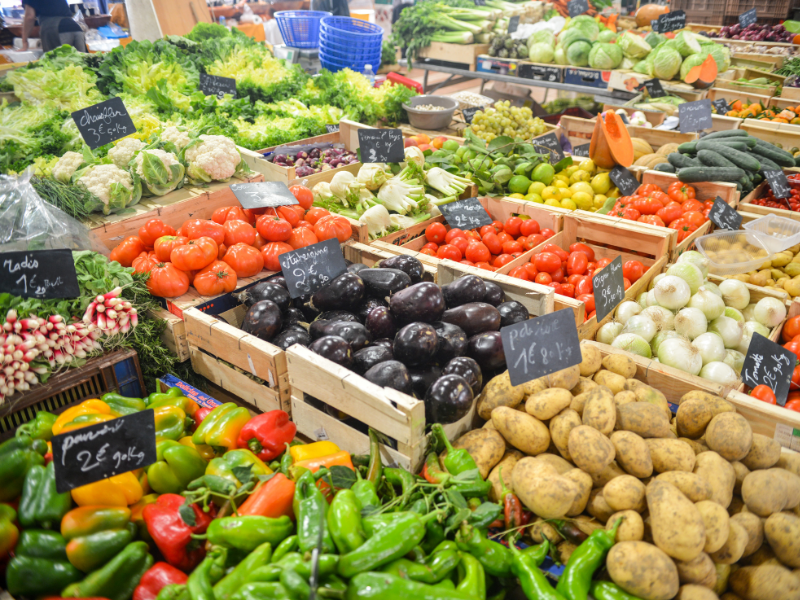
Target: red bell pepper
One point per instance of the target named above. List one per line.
(172, 534)
(200, 414)
(156, 577)
(266, 435)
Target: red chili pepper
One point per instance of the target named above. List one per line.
(156, 577)
(172, 534)
(266, 435)
(432, 471)
(512, 507)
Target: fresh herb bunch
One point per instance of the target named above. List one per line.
(72, 199)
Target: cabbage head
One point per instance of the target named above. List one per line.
(541, 53)
(686, 43)
(627, 63)
(606, 36)
(633, 46)
(721, 54)
(560, 57)
(568, 37)
(578, 53)
(666, 62)
(543, 36)
(654, 39)
(605, 56)
(642, 67)
(586, 24)
(695, 60)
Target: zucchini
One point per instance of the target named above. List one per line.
(718, 145)
(714, 159)
(665, 168)
(701, 174)
(743, 160)
(679, 161)
(774, 154)
(688, 148)
(728, 133)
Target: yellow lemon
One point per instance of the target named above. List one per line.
(534, 198)
(568, 204)
(550, 192)
(536, 188)
(601, 183)
(570, 170)
(552, 202)
(560, 183)
(599, 200)
(582, 200)
(582, 186)
(614, 193)
(587, 165)
(565, 193)
(518, 196)
(579, 176)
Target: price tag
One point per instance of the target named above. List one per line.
(101, 451)
(469, 113)
(609, 288)
(724, 216)
(582, 150)
(308, 269)
(769, 364)
(549, 142)
(263, 194)
(103, 123)
(695, 116)
(465, 214)
(538, 347)
(211, 85)
(624, 180)
(654, 88)
(670, 21)
(747, 18)
(778, 183)
(539, 72)
(381, 145)
(513, 23)
(41, 274)
(577, 7)
(721, 105)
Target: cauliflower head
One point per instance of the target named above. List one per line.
(160, 171)
(122, 154)
(114, 188)
(177, 136)
(66, 166)
(213, 158)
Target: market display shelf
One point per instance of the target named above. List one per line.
(466, 54)
(579, 131)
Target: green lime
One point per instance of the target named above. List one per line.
(450, 145)
(544, 172)
(519, 184)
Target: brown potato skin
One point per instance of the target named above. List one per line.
(539, 486)
(548, 403)
(598, 507)
(589, 449)
(782, 532)
(600, 410)
(765, 582)
(717, 525)
(632, 453)
(583, 484)
(625, 493)
(692, 486)
(790, 461)
(566, 378)
(755, 531)
(695, 592)
(499, 392)
(676, 523)
(620, 364)
(609, 379)
(506, 464)
(720, 475)
(700, 570)
(560, 426)
(643, 570)
(729, 435)
(632, 527)
(591, 361)
(764, 453)
(765, 492)
(671, 455)
(733, 548)
(646, 420)
(485, 446)
(524, 432)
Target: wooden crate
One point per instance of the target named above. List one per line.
(655, 117)
(579, 131)
(791, 93)
(723, 84)
(214, 305)
(724, 123)
(783, 135)
(608, 239)
(782, 103)
(174, 334)
(760, 191)
(371, 255)
(751, 59)
(457, 53)
(732, 96)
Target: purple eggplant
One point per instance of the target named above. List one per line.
(368, 305)
(354, 333)
(368, 357)
(494, 294)
(338, 315)
(392, 374)
(343, 293)
(487, 350)
(512, 312)
(333, 348)
(290, 337)
(464, 290)
(415, 344)
(263, 320)
(380, 323)
(422, 378)
(473, 318)
(278, 279)
(408, 264)
(421, 302)
(265, 290)
(381, 283)
(293, 315)
(452, 342)
(467, 368)
(383, 342)
(448, 400)
(356, 267)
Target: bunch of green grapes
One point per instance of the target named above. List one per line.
(504, 119)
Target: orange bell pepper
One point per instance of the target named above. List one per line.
(87, 407)
(340, 458)
(120, 490)
(272, 498)
(305, 452)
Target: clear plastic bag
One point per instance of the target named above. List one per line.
(29, 223)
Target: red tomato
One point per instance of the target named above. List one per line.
(670, 212)
(504, 237)
(271, 252)
(795, 383)
(230, 213)
(466, 262)
(584, 286)
(164, 245)
(574, 278)
(562, 254)
(245, 260)
(259, 243)
(487, 229)
(547, 233)
(273, 229)
(543, 278)
(793, 346)
(315, 214)
(498, 226)
(534, 240)
(333, 226)
(647, 206)
(511, 247)
(239, 232)
(588, 300)
(512, 225)
(197, 228)
(695, 218)
(519, 273)
(684, 228)
(579, 247)
(602, 263)
(630, 214)
(692, 206)
(791, 329)
(502, 260)
(493, 242)
(302, 237)
(127, 250)
(567, 289)
(448, 251)
(652, 220)
(461, 243)
(626, 283)
(529, 227)
(428, 252)
(455, 232)
(793, 405)
(152, 230)
(547, 262)
(436, 232)
(764, 393)
(531, 269)
(558, 275)
(632, 270)
(647, 188)
(431, 245)
(215, 279)
(167, 281)
(576, 263)
(195, 254)
(304, 196)
(680, 192)
(485, 266)
(472, 234)
(477, 252)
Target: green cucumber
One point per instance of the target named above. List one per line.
(688, 148)
(743, 160)
(718, 145)
(714, 159)
(774, 154)
(701, 174)
(725, 134)
(680, 161)
(768, 164)
(665, 168)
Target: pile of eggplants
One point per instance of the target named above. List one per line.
(439, 344)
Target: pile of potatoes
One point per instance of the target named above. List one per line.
(709, 509)
(781, 273)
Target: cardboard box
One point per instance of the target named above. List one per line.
(588, 77)
(499, 66)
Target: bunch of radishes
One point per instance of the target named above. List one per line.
(111, 314)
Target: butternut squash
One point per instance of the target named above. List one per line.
(611, 143)
(648, 13)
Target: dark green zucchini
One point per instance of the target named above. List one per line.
(680, 161)
(665, 168)
(701, 174)
(688, 147)
(728, 133)
(774, 154)
(719, 146)
(714, 159)
(743, 160)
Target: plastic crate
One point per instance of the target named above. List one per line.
(300, 28)
(780, 233)
(766, 9)
(717, 245)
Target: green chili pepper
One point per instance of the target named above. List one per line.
(375, 468)
(173, 591)
(365, 492)
(537, 553)
(433, 470)
(419, 506)
(445, 584)
(40, 504)
(501, 595)
(457, 460)
(471, 577)
(296, 562)
(376, 523)
(236, 578)
(297, 587)
(438, 566)
(333, 583)
(261, 591)
(249, 532)
(473, 489)
(286, 546)
(382, 586)
(344, 521)
(495, 558)
(434, 535)
(117, 579)
(533, 582)
(201, 580)
(576, 579)
(400, 477)
(606, 590)
(310, 508)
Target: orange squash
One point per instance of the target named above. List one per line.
(611, 143)
(703, 76)
(649, 12)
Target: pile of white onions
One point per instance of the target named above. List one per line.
(692, 324)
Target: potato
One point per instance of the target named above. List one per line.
(765, 582)
(741, 472)
(694, 487)
(790, 461)
(539, 486)
(643, 570)
(565, 378)
(620, 364)
(610, 472)
(729, 596)
(632, 453)
(631, 529)
(765, 492)
(695, 592)
(506, 466)
(723, 573)
(598, 507)
(485, 446)
(614, 382)
(592, 359)
(695, 411)
(716, 522)
(782, 532)
(560, 465)
(583, 483)
(600, 411)
(521, 430)
(736, 506)
(565, 550)
(717, 404)
(719, 473)
(584, 385)
(763, 556)
(764, 453)
(579, 402)
(755, 531)
(646, 420)
(649, 394)
(697, 447)
(587, 524)
(676, 522)
(548, 403)
(541, 530)
(792, 487)
(534, 386)
(560, 426)
(499, 392)
(729, 435)
(625, 493)
(700, 571)
(671, 455)
(589, 449)
(733, 548)
(624, 397)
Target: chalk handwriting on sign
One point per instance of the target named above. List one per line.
(695, 116)
(103, 123)
(381, 145)
(654, 88)
(724, 216)
(263, 194)
(211, 85)
(770, 364)
(721, 105)
(748, 18)
(104, 450)
(670, 21)
(778, 183)
(550, 143)
(469, 113)
(577, 7)
(42, 274)
(308, 269)
(582, 150)
(513, 24)
(332, 128)
(609, 288)
(624, 180)
(465, 214)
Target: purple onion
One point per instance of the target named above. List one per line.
(302, 155)
(300, 162)
(325, 167)
(304, 171)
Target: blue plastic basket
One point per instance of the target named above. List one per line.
(300, 28)
(341, 52)
(352, 32)
(333, 65)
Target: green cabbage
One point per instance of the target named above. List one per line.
(571, 36)
(157, 178)
(605, 56)
(654, 39)
(587, 25)
(642, 67)
(686, 43)
(721, 54)
(606, 36)
(695, 60)
(627, 63)
(633, 46)
(666, 62)
(560, 57)
(578, 53)
(543, 36)
(541, 53)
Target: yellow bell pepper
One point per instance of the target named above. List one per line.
(136, 509)
(315, 450)
(170, 422)
(120, 490)
(87, 407)
(82, 421)
(205, 451)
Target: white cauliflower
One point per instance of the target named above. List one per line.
(123, 152)
(213, 158)
(167, 158)
(160, 171)
(66, 166)
(113, 187)
(177, 136)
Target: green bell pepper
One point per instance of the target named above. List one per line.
(122, 405)
(173, 591)
(310, 509)
(17, 456)
(261, 590)
(96, 534)
(41, 428)
(173, 392)
(117, 579)
(176, 466)
(495, 558)
(40, 566)
(249, 532)
(202, 579)
(382, 586)
(344, 521)
(227, 465)
(40, 505)
(236, 578)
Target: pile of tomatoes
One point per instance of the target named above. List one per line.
(212, 255)
(790, 334)
(790, 203)
(677, 208)
(491, 247)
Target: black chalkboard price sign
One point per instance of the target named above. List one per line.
(263, 194)
(549, 142)
(748, 18)
(609, 288)
(769, 364)
(513, 23)
(308, 269)
(101, 451)
(538, 347)
(577, 7)
(480, 2)
(624, 180)
(670, 21)
(465, 214)
(582, 150)
(778, 183)
(654, 88)
(724, 216)
(469, 113)
(211, 85)
(41, 274)
(381, 145)
(721, 106)
(332, 128)
(103, 123)
(695, 116)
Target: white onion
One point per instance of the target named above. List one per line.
(751, 327)
(710, 346)
(635, 344)
(770, 312)
(608, 331)
(680, 354)
(661, 337)
(733, 313)
(691, 322)
(672, 292)
(730, 330)
(748, 313)
(626, 310)
(735, 293)
(642, 326)
(697, 259)
(689, 272)
(711, 287)
(719, 372)
(656, 279)
(642, 300)
(651, 299)
(734, 359)
(744, 344)
(662, 317)
(708, 302)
